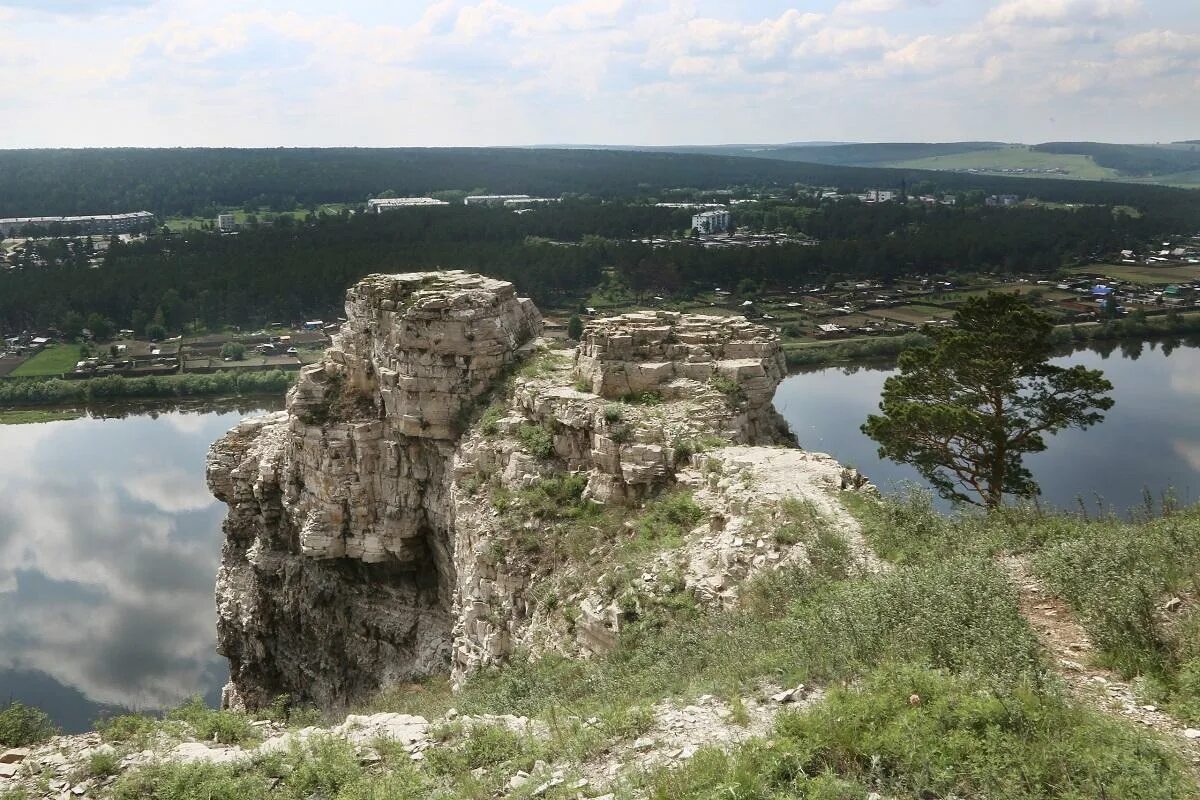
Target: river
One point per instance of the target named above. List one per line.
(1150, 440)
(109, 544)
(109, 539)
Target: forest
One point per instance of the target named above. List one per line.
(186, 182)
(557, 255)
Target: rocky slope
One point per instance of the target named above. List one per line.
(443, 488)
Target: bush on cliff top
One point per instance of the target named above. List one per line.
(209, 724)
(22, 725)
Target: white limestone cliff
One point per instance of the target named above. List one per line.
(368, 539)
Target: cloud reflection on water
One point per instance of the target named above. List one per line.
(109, 544)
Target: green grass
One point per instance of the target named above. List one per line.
(30, 416)
(54, 359)
(793, 625)
(1080, 167)
(909, 731)
(180, 224)
(1116, 576)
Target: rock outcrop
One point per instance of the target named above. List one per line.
(382, 528)
(336, 573)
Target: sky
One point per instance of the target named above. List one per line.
(171, 73)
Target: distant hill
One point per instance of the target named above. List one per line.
(1175, 164)
(184, 182)
(1132, 160)
(852, 155)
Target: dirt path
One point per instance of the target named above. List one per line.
(1071, 650)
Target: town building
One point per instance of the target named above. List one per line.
(715, 221)
(527, 202)
(1004, 200)
(377, 205)
(878, 196)
(226, 223)
(493, 199)
(88, 224)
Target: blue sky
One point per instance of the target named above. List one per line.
(511, 72)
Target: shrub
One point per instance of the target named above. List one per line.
(401, 784)
(322, 767)
(487, 747)
(575, 327)
(644, 398)
(209, 724)
(489, 424)
(22, 725)
(199, 781)
(729, 387)
(537, 439)
(126, 727)
(666, 519)
(233, 351)
(558, 497)
(613, 413)
(102, 763)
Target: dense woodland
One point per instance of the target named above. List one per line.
(183, 182)
(556, 254)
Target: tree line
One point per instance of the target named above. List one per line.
(190, 181)
(556, 254)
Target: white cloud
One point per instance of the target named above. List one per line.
(1075, 12)
(1159, 42)
(452, 72)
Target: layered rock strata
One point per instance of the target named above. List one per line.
(372, 534)
(336, 573)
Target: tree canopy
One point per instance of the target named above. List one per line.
(965, 410)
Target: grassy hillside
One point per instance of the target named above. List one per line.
(1169, 165)
(969, 667)
(1130, 160)
(1015, 157)
(861, 155)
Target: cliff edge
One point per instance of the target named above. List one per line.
(444, 489)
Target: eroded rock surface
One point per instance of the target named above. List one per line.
(336, 574)
(378, 529)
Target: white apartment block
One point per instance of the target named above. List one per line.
(715, 221)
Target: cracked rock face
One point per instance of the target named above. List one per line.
(363, 543)
(336, 576)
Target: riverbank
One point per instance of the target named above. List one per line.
(885, 348)
(58, 392)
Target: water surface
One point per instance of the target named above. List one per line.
(1149, 440)
(109, 545)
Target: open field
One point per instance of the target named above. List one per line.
(54, 360)
(1146, 274)
(178, 224)
(1016, 157)
(911, 314)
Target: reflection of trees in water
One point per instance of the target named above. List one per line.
(153, 408)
